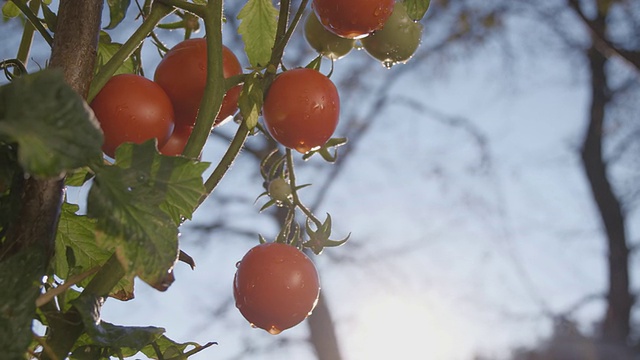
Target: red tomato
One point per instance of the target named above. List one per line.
(177, 141)
(301, 109)
(182, 73)
(131, 108)
(353, 19)
(276, 286)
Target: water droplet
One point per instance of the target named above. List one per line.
(253, 325)
(238, 264)
(388, 64)
(274, 330)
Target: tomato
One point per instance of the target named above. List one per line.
(353, 19)
(325, 42)
(301, 109)
(177, 141)
(131, 108)
(279, 189)
(182, 73)
(276, 286)
(397, 41)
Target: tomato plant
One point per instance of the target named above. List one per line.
(131, 108)
(353, 19)
(397, 41)
(325, 42)
(279, 189)
(301, 109)
(177, 141)
(276, 286)
(182, 73)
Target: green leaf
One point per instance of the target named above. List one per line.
(258, 29)
(138, 202)
(416, 8)
(77, 250)
(20, 277)
(117, 12)
(106, 334)
(171, 349)
(78, 177)
(106, 50)
(10, 10)
(251, 97)
(50, 18)
(54, 128)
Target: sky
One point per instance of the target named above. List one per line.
(449, 255)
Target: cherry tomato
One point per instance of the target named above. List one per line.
(177, 141)
(279, 189)
(131, 108)
(353, 19)
(325, 42)
(301, 109)
(182, 73)
(276, 286)
(397, 41)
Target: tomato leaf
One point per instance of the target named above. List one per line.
(106, 334)
(139, 202)
(250, 101)
(416, 8)
(173, 350)
(20, 277)
(77, 250)
(117, 12)
(258, 23)
(50, 18)
(54, 128)
(106, 50)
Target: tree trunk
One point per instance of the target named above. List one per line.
(616, 322)
(323, 334)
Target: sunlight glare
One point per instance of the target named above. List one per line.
(393, 327)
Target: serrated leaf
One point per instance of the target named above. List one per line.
(10, 10)
(106, 334)
(106, 50)
(416, 8)
(258, 23)
(78, 177)
(54, 128)
(251, 98)
(20, 277)
(78, 250)
(117, 12)
(134, 201)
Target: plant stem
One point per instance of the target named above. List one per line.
(214, 89)
(294, 192)
(158, 12)
(282, 36)
(199, 10)
(27, 36)
(227, 160)
(33, 19)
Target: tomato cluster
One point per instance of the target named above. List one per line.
(383, 27)
(132, 108)
(276, 286)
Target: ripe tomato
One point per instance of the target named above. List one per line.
(397, 41)
(177, 141)
(182, 73)
(276, 286)
(301, 109)
(325, 42)
(131, 108)
(353, 19)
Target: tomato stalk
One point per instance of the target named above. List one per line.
(214, 90)
(282, 35)
(27, 36)
(33, 19)
(294, 192)
(157, 13)
(199, 10)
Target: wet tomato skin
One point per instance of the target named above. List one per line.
(131, 108)
(301, 109)
(182, 73)
(353, 19)
(177, 141)
(276, 286)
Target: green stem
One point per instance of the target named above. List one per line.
(283, 37)
(294, 192)
(33, 19)
(158, 12)
(27, 36)
(214, 90)
(225, 163)
(199, 10)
